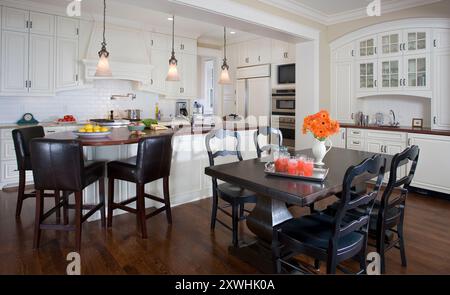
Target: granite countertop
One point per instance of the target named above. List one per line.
(43, 124)
(407, 129)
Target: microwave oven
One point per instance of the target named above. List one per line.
(285, 74)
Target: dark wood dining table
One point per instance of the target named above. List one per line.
(274, 193)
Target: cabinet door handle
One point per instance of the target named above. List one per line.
(151, 42)
(343, 135)
(353, 116)
(31, 24)
(434, 43)
(26, 83)
(355, 142)
(151, 81)
(29, 84)
(259, 58)
(352, 53)
(375, 82)
(434, 120)
(409, 141)
(27, 24)
(375, 50)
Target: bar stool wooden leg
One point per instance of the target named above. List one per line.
(167, 200)
(141, 208)
(57, 195)
(78, 215)
(101, 192)
(66, 207)
(21, 193)
(38, 218)
(110, 200)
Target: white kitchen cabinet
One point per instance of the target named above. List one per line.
(356, 139)
(67, 68)
(390, 43)
(390, 74)
(259, 99)
(160, 62)
(433, 167)
(416, 41)
(240, 97)
(41, 64)
(441, 90)
(344, 53)
(367, 47)
(243, 55)
(67, 27)
(14, 63)
(187, 86)
(417, 72)
(441, 39)
(282, 52)
(254, 52)
(15, 19)
(340, 139)
(343, 97)
(366, 74)
(185, 45)
(42, 23)
(159, 41)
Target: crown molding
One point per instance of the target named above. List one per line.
(325, 19)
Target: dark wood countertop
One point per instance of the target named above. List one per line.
(121, 136)
(400, 129)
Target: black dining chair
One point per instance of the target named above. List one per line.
(270, 133)
(22, 138)
(332, 238)
(59, 165)
(153, 162)
(389, 213)
(234, 196)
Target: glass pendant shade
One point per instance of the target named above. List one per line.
(173, 75)
(224, 76)
(103, 69)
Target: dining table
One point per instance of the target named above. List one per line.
(275, 194)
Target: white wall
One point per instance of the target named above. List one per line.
(83, 104)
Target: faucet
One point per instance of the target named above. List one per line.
(393, 121)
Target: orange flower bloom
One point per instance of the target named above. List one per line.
(320, 125)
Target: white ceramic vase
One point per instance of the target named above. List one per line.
(319, 150)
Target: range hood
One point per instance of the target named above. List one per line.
(129, 58)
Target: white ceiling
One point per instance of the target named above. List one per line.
(335, 11)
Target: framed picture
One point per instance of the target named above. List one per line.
(417, 123)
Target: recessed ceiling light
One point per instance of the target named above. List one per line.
(232, 32)
(170, 18)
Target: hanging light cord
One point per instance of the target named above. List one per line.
(103, 51)
(225, 65)
(173, 60)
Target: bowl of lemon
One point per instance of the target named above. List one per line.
(92, 131)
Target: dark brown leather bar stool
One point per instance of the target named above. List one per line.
(152, 162)
(21, 138)
(58, 165)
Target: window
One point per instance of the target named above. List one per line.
(210, 79)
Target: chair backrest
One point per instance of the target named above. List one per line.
(57, 164)
(268, 132)
(154, 158)
(409, 155)
(223, 135)
(21, 138)
(344, 223)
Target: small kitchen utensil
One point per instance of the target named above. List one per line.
(134, 114)
(379, 119)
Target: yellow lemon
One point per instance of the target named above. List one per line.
(104, 129)
(82, 130)
(89, 130)
(88, 126)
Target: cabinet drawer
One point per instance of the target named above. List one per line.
(51, 130)
(6, 134)
(387, 135)
(358, 133)
(355, 144)
(7, 150)
(9, 171)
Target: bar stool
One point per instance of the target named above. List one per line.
(21, 138)
(58, 165)
(152, 162)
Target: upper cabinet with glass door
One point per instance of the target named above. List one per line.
(367, 47)
(390, 43)
(416, 41)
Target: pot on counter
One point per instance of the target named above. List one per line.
(134, 114)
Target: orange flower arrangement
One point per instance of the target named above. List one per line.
(320, 125)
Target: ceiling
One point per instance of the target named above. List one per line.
(335, 11)
(137, 13)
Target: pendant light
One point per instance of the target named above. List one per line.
(173, 75)
(225, 75)
(103, 69)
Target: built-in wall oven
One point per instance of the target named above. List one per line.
(283, 115)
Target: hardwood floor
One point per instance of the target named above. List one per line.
(188, 246)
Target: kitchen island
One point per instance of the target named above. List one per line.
(187, 181)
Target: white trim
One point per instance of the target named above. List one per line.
(330, 19)
(260, 18)
(391, 26)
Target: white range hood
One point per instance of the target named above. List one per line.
(129, 58)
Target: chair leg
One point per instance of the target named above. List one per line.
(38, 217)
(214, 211)
(141, 209)
(78, 215)
(101, 193)
(402, 242)
(110, 200)
(167, 200)
(276, 253)
(235, 223)
(381, 246)
(66, 195)
(317, 264)
(331, 264)
(21, 193)
(57, 195)
(241, 211)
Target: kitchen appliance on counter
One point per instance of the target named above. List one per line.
(133, 114)
(181, 109)
(283, 115)
(111, 123)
